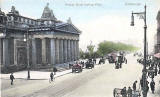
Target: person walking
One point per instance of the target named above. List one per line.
(51, 76)
(152, 85)
(12, 78)
(124, 92)
(134, 85)
(141, 83)
(94, 60)
(147, 88)
(129, 92)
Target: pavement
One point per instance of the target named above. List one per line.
(34, 75)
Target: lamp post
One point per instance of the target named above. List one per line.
(144, 71)
(28, 66)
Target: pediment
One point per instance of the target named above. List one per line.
(69, 28)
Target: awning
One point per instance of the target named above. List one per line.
(157, 55)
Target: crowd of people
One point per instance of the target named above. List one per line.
(135, 92)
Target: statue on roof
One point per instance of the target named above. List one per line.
(14, 11)
(1, 12)
(69, 20)
(48, 13)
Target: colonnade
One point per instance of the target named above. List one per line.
(41, 51)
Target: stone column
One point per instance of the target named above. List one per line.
(76, 54)
(65, 50)
(1, 51)
(52, 43)
(69, 51)
(57, 51)
(11, 50)
(72, 51)
(15, 51)
(44, 51)
(61, 50)
(75, 50)
(5, 52)
(34, 51)
(78, 49)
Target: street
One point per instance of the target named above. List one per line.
(97, 82)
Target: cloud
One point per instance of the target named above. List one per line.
(157, 3)
(114, 27)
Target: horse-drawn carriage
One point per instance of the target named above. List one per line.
(89, 64)
(102, 61)
(119, 60)
(111, 59)
(77, 68)
(117, 92)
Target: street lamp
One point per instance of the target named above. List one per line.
(27, 41)
(132, 20)
(142, 15)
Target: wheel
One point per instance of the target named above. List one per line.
(114, 93)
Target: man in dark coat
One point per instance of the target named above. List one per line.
(129, 92)
(134, 85)
(12, 78)
(152, 85)
(124, 92)
(94, 60)
(54, 70)
(141, 83)
(51, 76)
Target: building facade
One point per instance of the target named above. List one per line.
(37, 42)
(157, 44)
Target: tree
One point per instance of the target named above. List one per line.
(90, 49)
(106, 47)
(82, 54)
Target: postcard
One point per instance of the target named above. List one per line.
(80, 48)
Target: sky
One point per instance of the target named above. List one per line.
(98, 20)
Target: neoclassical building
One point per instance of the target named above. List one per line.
(38, 42)
(157, 44)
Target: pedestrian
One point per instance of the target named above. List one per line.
(147, 88)
(124, 92)
(134, 85)
(141, 83)
(54, 70)
(129, 92)
(51, 76)
(94, 60)
(152, 85)
(155, 73)
(12, 78)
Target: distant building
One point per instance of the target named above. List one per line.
(50, 41)
(157, 44)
